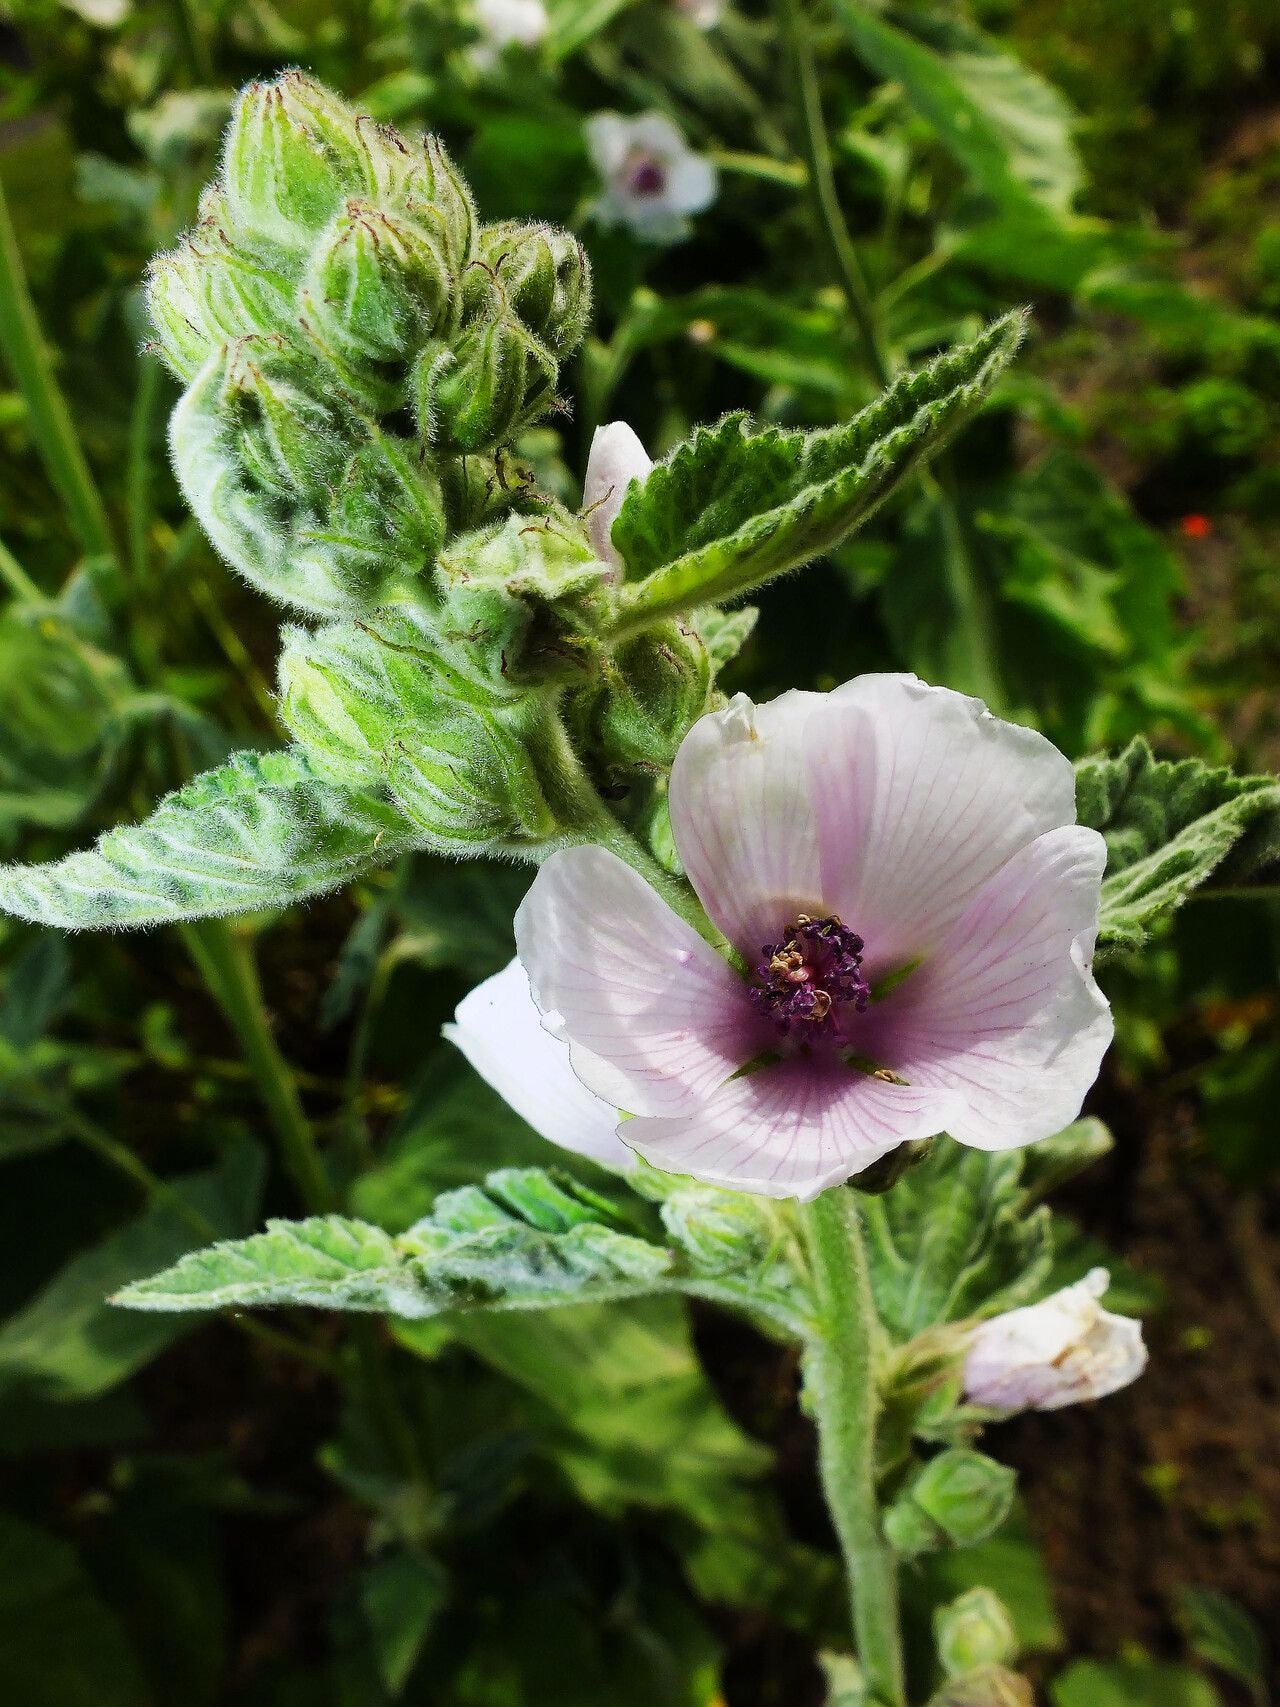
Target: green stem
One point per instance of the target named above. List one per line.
(840, 1380)
(982, 674)
(16, 578)
(226, 963)
(27, 355)
(823, 197)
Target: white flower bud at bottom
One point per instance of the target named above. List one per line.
(1062, 1351)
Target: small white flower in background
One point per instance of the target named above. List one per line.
(617, 458)
(1059, 1352)
(706, 14)
(652, 179)
(499, 1030)
(504, 23)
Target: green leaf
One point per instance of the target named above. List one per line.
(989, 1251)
(730, 508)
(402, 1594)
(260, 832)
(1168, 825)
(67, 1343)
(525, 1240)
(1132, 1683)
(631, 1417)
(1008, 128)
(1223, 1634)
(59, 1645)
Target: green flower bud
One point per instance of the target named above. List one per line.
(494, 381)
(293, 155)
(721, 1229)
(957, 1498)
(423, 183)
(656, 687)
(204, 294)
(546, 278)
(975, 1630)
(288, 438)
(989, 1686)
(521, 601)
(374, 702)
(377, 286)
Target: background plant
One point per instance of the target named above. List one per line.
(1043, 566)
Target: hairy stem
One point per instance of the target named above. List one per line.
(27, 355)
(225, 961)
(840, 1381)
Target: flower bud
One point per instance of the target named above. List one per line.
(1062, 1351)
(293, 154)
(616, 459)
(975, 1630)
(989, 1686)
(382, 522)
(545, 276)
(495, 380)
(720, 1229)
(374, 702)
(377, 286)
(288, 438)
(521, 601)
(422, 183)
(958, 1498)
(656, 688)
(205, 293)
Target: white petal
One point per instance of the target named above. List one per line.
(617, 458)
(692, 182)
(791, 1130)
(608, 139)
(919, 796)
(1006, 1014)
(654, 1017)
(742, 820)
(499, 1030)
(1062, 1351)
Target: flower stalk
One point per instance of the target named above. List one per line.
(840, 1382)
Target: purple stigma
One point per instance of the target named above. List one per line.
(647, 178)
(807, 982)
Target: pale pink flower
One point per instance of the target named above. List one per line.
(912, 911)
(706, 14)
(507, 23)
(616, 459)
(651, 179)
(1059, 1352)
(499, 1030)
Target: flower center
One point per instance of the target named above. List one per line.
(646, 176)
(808, 983)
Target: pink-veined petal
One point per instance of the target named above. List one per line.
(1006, 1014)
(655, 1019)
(919, 796)
(1063, 1351)
(742, 820)
(499, 1030)
(791, 1130)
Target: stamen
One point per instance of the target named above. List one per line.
(808, 983)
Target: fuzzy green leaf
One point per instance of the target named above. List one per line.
(1168, 826)
(985, 1251)
(525, 1240)
(261, 831)
(730, 508)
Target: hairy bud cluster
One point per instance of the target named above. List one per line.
(358, 350)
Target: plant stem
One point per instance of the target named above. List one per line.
(822, 185)
(982, 675)
(27, 355)
(16, 578)
(840, 1381)
(225, 961)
